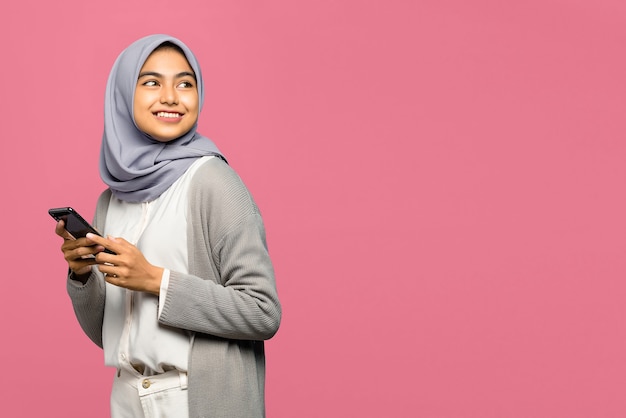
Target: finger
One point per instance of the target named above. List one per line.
(106, 258)
(81, 265)
(60, 231)
(73, 251)
(114, 280)
(107, 243)
(72, 244)
(110, 273)
(108, 270)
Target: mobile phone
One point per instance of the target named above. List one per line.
(75, 224)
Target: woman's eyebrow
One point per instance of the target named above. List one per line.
(186, 74)
(159, 75)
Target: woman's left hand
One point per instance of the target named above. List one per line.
(128, 267)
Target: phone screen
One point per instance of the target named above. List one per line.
(75, 224)
(75, 227)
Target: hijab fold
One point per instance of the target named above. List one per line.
(136, 167)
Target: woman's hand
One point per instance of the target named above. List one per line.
(128, 267)
(77, 252)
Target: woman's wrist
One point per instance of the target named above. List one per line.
(80, 277)
(157, 276)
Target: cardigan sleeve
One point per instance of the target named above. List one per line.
(88, 304)
(88, 300)
(230, 291)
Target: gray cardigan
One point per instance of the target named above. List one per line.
(229, 299)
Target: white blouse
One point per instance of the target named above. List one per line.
(132, 335)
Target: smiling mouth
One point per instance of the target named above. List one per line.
(172, 115)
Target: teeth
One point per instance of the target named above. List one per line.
(168, 115)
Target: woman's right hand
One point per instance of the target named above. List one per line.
(77, 252)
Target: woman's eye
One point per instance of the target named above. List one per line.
(185, 84)
(150, 83)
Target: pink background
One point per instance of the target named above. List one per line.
(442, 184)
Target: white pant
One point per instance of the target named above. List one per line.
(160, 396)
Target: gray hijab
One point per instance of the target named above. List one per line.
(136, 167)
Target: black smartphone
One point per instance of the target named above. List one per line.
(75, 224)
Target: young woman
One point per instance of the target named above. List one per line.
(183, 306)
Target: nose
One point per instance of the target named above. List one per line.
(169, 95)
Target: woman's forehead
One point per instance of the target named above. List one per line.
(168, 58)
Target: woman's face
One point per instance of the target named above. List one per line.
(166, 103)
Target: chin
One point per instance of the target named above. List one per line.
(166, 137)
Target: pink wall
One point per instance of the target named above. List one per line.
(442, 182)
